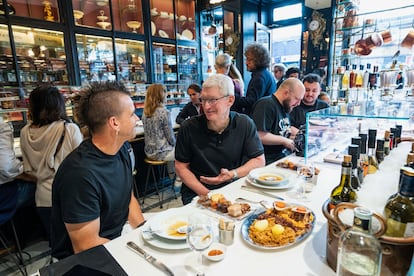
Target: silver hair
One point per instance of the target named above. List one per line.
(224, 84)
(223, 60)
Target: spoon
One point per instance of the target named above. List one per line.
(264, 203)
(182, 229)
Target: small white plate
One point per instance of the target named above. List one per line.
(163, 34)
(165, 223)
(288, 184)
(215, 246)
(268, 176)
(187, 34)
(153, 28)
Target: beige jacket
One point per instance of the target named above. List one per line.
(38, 147)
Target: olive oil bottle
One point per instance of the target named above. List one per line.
(344, 191)
(399, 210)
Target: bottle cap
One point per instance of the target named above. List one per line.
(372, 135)
(363, 148)
(398, 130)
(363, 218)
(356, 141)
(406, 187)
(347, 158)
(368, 65)
(410, 158)
(387, 134)
(412, 147)
(380, 144)
(353, 150)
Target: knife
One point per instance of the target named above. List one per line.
(250, 189)
(150, 258)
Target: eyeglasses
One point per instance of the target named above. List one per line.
(211, 101)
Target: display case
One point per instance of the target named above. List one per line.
(185, 19)
(371, 39)
(187, 65)
(330, 130)
(165, 62)
(130, 56)
(45, 10)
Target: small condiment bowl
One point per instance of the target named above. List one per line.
(216, 252)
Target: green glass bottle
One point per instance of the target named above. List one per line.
(399, 211)
(344, 191)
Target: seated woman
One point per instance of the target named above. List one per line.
(158, 131)
(45, 142)
(193, 108)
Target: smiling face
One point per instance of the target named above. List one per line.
(215, 105)
(312, 91)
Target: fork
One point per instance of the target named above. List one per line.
(264, 203)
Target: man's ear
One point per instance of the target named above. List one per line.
(113, 123)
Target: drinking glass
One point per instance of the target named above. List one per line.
(304, 183)
(200, 236)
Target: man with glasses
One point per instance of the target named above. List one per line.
(271, 115)
(310, 101)
(217, 147)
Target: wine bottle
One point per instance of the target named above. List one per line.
(357, 141)
(359, 252)
(352, 76)
(363, 150)
(379, 152)
(399, 211)
(353, 151)
(398, 134)
(343, 192)
(394, 137)
(372, 159)
(387, 142)
(391, 141)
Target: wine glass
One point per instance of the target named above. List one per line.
(200, 236)
(304, 183)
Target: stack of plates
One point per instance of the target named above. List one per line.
(160, 232)
(268, 178)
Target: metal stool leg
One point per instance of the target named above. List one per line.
(156, 184)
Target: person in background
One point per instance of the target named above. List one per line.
(19, 185)
(310, 101)
(45, 142)
(321, 72)
(192, 108)
(271, 116)
(323, 96)
(217, 147)
(292, 72)
(92, 190)
(158, 131)
(262, 82)
(223, 65)
(279, 70)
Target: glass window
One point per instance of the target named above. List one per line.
(96, 58)
(41, 56)
(46, 10)
(92, 14)
(165, 61)
(185, 19)
(130, 56)
(286, 45)
(287, 12)
(187, 65)
(128, 16)
(7, 72)
(162, 18)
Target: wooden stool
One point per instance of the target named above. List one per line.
(161, 167)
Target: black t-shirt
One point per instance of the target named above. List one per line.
(298, 114)
(269, 116)
(90, 184)
(208, 152)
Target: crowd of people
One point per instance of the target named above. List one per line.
(82, 185)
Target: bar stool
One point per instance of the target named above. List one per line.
(161, 167)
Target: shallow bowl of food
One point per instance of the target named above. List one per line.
(268, 176)
(216, 252)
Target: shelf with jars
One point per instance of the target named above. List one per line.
(369, 38)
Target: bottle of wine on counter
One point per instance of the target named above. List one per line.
(359, 252)
(391, 140)
(344, 191)
(387, 142)
(394, 137)
(372, 159)
(398, 134)
(399, 210)
(353, 151)
(357, 141)
(363, 153)
(379, 152)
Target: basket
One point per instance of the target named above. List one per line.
(396, 252)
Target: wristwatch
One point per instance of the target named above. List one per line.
(235, 175)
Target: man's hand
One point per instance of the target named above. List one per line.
(224, 176)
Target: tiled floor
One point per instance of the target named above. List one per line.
(40, 251)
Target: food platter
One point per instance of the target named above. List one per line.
(288, 184)
(222, 207)
(268, 176)
(165, 224)
(245, 228)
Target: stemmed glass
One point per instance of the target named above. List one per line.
(200, 236)
(305, 182)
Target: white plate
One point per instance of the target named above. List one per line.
(159, 242)
(187, 34)
(268, 171)
(288, 184)
(153, 28)
(165, 223)
(163, 34)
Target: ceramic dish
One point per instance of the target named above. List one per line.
(163, 34)
(187, 34)
(288, 184)
(250, 219)
(153, 28)
(268, 176)
(212, 252)
(159, 242)
(165, 224)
